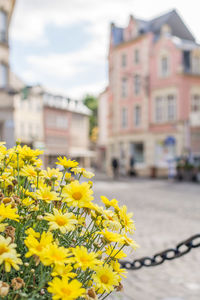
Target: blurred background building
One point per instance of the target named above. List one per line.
(54, 123)
(152, 102)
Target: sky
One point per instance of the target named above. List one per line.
(63, 44)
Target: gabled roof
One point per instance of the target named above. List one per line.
(171, 18)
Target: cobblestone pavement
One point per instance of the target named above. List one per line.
(165, 213)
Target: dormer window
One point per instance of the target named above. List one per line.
(3, 26)
(164, 66)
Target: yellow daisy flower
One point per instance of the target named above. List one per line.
(52, 173)
(77, 194)
(66, 163)
(83, 259)
(125, 240)
(47, 195)
(111, 236)
(53, 254)
(125, 219)
(35, 246)
(116, 267)
(109, 203)
(110, 251)
(28, 171)
(8, 254)
(82, 171)
(65, 290)
(7, 212)
(64, 222)
(29, 154)
(105, 278)
(64, 271)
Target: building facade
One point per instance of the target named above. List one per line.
(153, 96)
(66, 129)
(6, 91)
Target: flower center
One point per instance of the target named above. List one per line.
(104, 278)
(61, 221)
(77, 195)
(66, 291)
(3, 249)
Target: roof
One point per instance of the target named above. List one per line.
(171, 18)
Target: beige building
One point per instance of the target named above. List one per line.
(6, 92)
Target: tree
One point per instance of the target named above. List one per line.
(92, 103)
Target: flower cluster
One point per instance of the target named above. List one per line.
(55, 242)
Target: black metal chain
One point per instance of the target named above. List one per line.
(159, 258)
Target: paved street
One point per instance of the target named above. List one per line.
(165, 213)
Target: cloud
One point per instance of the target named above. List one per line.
(31, 18)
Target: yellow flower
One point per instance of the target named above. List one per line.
(112, 221)
(113, 202)
(53, 254)
(116, 267)
(32, 232)
(36, 247)
(111, 236)
(47, 195)
(65, 290)
(83, 259)
(77, 194)
(63, 222)
(125, 240)
(110, 251)
(6, 212)
(3, 226)
(64, 271)
(82, 171)
(28, 171)
(125, 219)
(28, 154)
(52, 173)
(66, 163)
(68, 176)
(8, 254)
(27, 201)
(105, 278)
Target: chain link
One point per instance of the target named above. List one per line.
(159, 258)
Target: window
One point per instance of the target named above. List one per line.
(195, 103)
(136, 56)
(137, 116)
(171, 108)
(196, 65)
(3, 75)
(164, 66)
(158, 109)
(137, 84)
(124, 87)
(124, 117)
(137, 152)
(3, 26)
(124, 60)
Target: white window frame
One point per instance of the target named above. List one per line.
(137, 84)
(124, 60)
(3, 75)
(124, 117)
(171, 107)
(136, 56)
(124, 87)
(3, 25)
(137, 116)
(159, 110)
(164, 71)
(195, 103)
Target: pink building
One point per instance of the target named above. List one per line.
(153, 96)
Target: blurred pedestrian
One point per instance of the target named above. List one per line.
(132, 166)
(115, 167)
